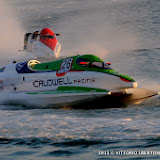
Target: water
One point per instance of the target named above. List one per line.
(124, 32)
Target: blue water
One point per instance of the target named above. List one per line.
(123, 32)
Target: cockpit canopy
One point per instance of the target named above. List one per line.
(92, 64)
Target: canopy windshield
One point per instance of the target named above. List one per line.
(48, 37)
(83, 62)
(102, 65)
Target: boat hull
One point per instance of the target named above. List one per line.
(52, 99)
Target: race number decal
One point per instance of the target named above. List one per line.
(65, 66)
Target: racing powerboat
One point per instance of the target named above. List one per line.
(70, 81)
(42, 44)
(66, 82)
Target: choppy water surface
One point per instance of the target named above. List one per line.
(124, 32)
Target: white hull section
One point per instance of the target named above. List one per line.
(39, 49)
(50, 81)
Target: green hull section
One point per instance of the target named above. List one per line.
(69, 89)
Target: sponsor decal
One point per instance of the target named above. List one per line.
(61, 82)
(51, 82)
(84, 80)
(2, 69)
(20, 65)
